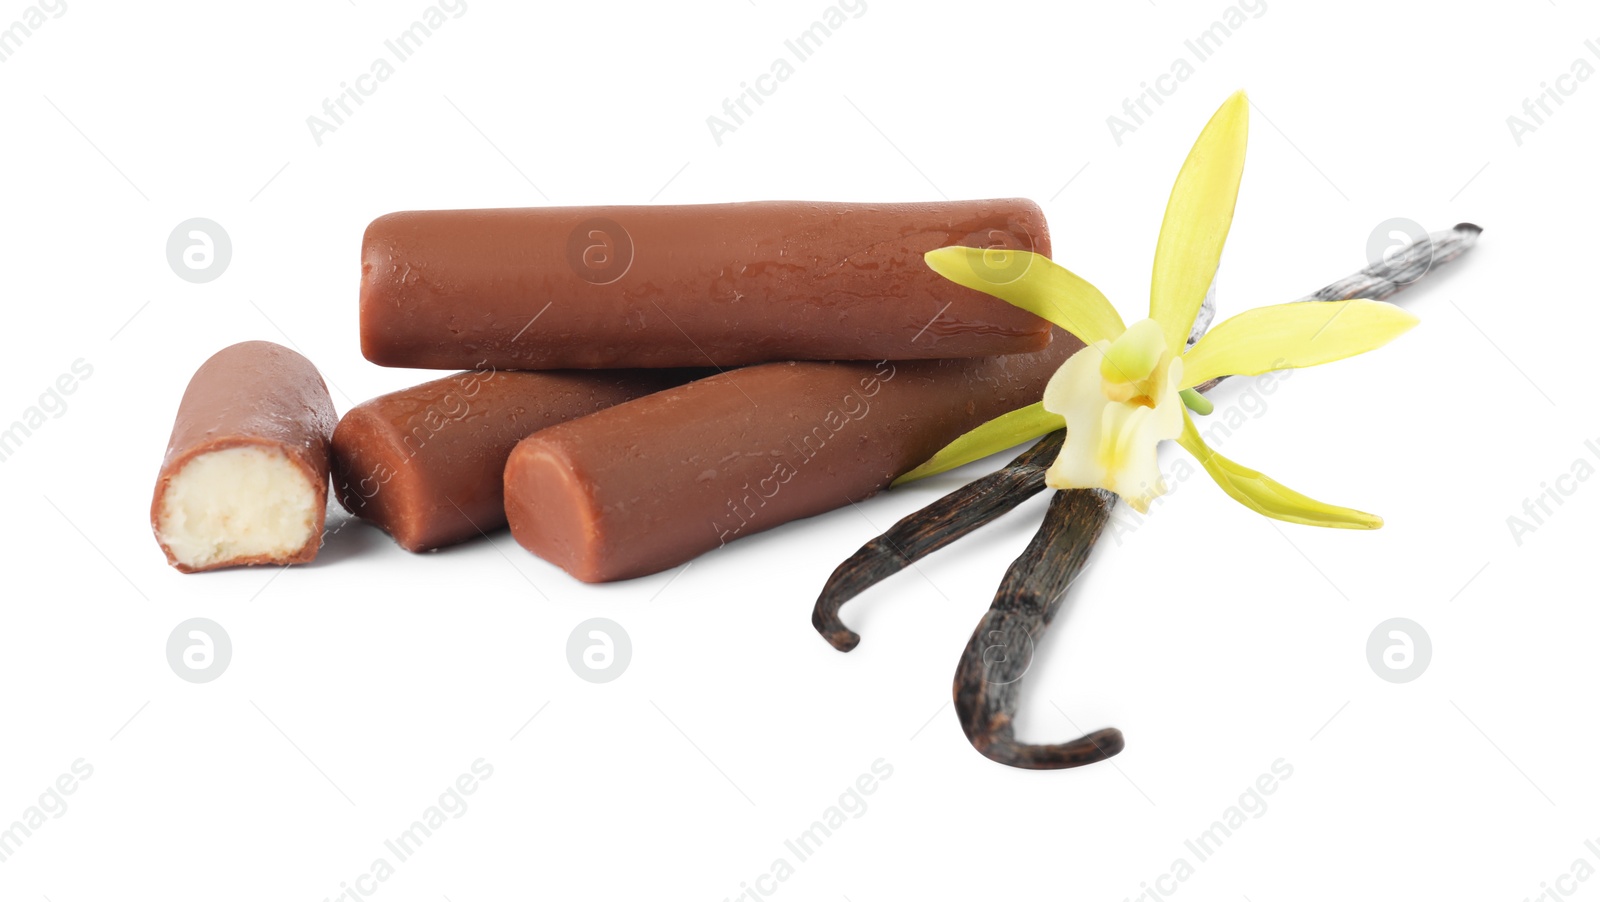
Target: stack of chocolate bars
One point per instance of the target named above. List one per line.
(637, 385)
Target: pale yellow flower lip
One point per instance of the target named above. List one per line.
(1119, 404)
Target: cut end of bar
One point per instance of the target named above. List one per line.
(551, 512)
(245, 505)
(372, 482)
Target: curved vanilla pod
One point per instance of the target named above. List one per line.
(930, 529)
(989, 678)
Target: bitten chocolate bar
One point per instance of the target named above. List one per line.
(649, 484)
(245, 478)
(710, 285)
(426, 463)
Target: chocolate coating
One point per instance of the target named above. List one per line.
(649, 484)
(253, 394)
(708, 285)
(426, 463)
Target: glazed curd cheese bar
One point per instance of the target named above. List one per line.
(245, 477)
(674, 286)
(650, 484)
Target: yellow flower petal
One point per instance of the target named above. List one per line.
(1293, 335)
(1000, 433)
(1035, 283)
(1264, 495)
(1199, 213)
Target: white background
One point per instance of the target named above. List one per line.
(1220, 642)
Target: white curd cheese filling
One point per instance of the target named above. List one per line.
(237, 503)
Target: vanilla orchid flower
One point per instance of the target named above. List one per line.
(1132, 387)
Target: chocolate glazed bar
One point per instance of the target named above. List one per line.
(245, 478)
(715, 284)
(649, 484)
(426, 463)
